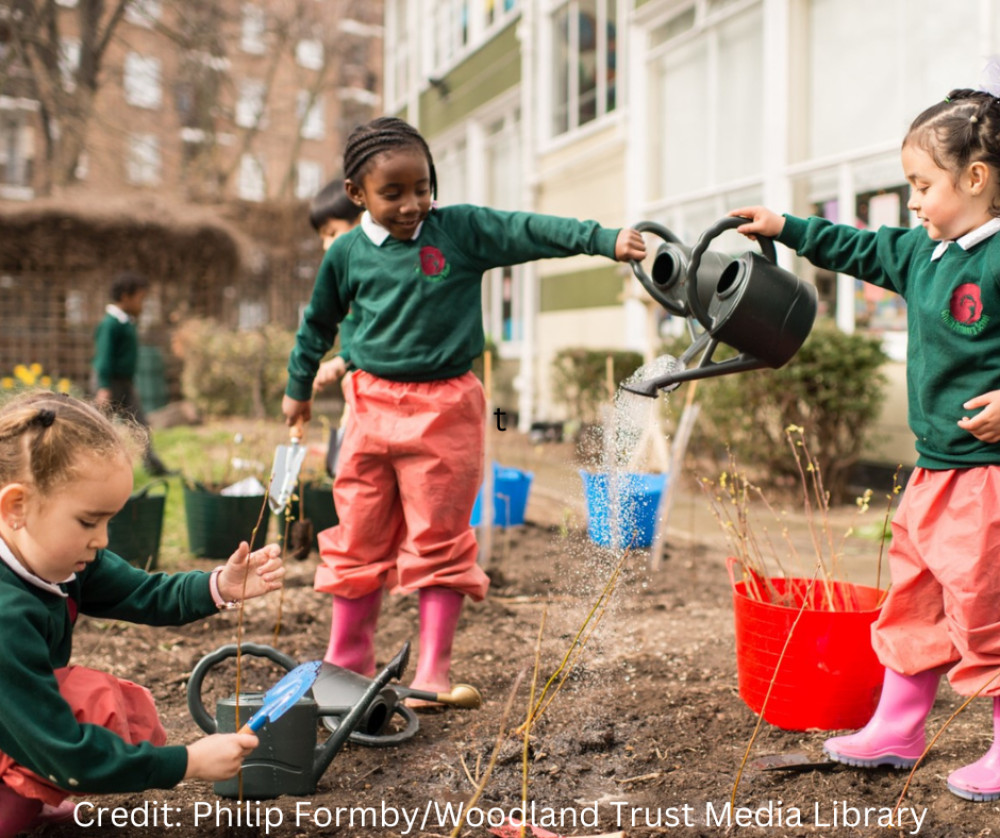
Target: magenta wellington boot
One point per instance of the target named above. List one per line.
(981, 780)
(352, 633)
(439, 610)
(895, 734)
(17, 813)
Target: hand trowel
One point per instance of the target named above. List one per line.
(285, 472)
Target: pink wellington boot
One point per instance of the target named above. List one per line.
(17, 813)
(439, 610)
(981, 780)
(895, 734)
(352, 633)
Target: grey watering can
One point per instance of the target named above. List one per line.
(747, 302)
(288, 759)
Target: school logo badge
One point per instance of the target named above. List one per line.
(433, 264)
(965, 312)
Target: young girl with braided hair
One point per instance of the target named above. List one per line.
(65, 471)
(942, 613)
(412, 458)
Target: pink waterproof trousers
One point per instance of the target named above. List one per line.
(944, 604)
(411, 463)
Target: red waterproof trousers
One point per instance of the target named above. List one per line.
(944, 604)
(96, 698)
(410, 467)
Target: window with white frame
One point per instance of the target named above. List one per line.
(253, 29)
(704, 125)
(309, 112)
(250, 182)
(903, 57)
(250, 103)
(308, 179)
(451, 166)
(453, 28)
(397, 53)
(143, 81)
(144, 163)
(144, 12)
(69, 62)
(584, 60)
(449, 21)
(17, 148)
(503, 287)
(309, 53)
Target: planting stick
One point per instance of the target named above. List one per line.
(684, 427)
(767, 695)
(486, 497)
(497, 745)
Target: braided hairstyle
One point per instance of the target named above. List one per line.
(962, 129)
(45, 439)
(385, 134)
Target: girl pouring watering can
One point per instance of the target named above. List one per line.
(940, 616)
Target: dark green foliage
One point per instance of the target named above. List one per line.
(833, 388)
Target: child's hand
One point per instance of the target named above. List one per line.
(219, 756)
(294, 410)
(262, 570)
(762, 222)
(629, 245)
(329, 372)
(985, 425)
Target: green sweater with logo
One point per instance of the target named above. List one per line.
(953, 323)
(116, 353)
(417, 304)
(37, 726)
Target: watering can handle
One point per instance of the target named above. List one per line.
(728, 223)
(195, 704)
(644, 278)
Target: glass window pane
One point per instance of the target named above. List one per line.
(588, 62)
(677, 145)
(739, 137)
(560, 73)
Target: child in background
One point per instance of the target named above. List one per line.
(65, 471)
(412, 458)
(942, 611)
(116, 357)
(332, 214)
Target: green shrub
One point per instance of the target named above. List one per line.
(579, 379)
(234, 373)
(833, 389)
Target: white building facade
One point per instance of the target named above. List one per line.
(676, 111)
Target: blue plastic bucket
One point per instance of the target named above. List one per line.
(510, 497)
(635, 514)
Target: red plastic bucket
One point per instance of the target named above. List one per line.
(829, 678)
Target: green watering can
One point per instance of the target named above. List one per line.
(285, 719)
(747, 302)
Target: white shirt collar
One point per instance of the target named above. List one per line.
(117, 313)
(377, 233)
(19, 569)
(970, 239)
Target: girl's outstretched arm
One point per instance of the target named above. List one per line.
(763, 222)
(262, 570)
(985, 425)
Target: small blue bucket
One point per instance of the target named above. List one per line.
(510, 497)
(638, 502)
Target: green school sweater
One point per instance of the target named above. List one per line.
(417, 304)
(116, 353)
(37, 726)
(953, 323)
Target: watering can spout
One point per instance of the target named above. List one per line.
(392, 670)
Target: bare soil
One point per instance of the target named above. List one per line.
(646, 736)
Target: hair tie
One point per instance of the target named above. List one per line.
(973, 118)
(44, 418)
